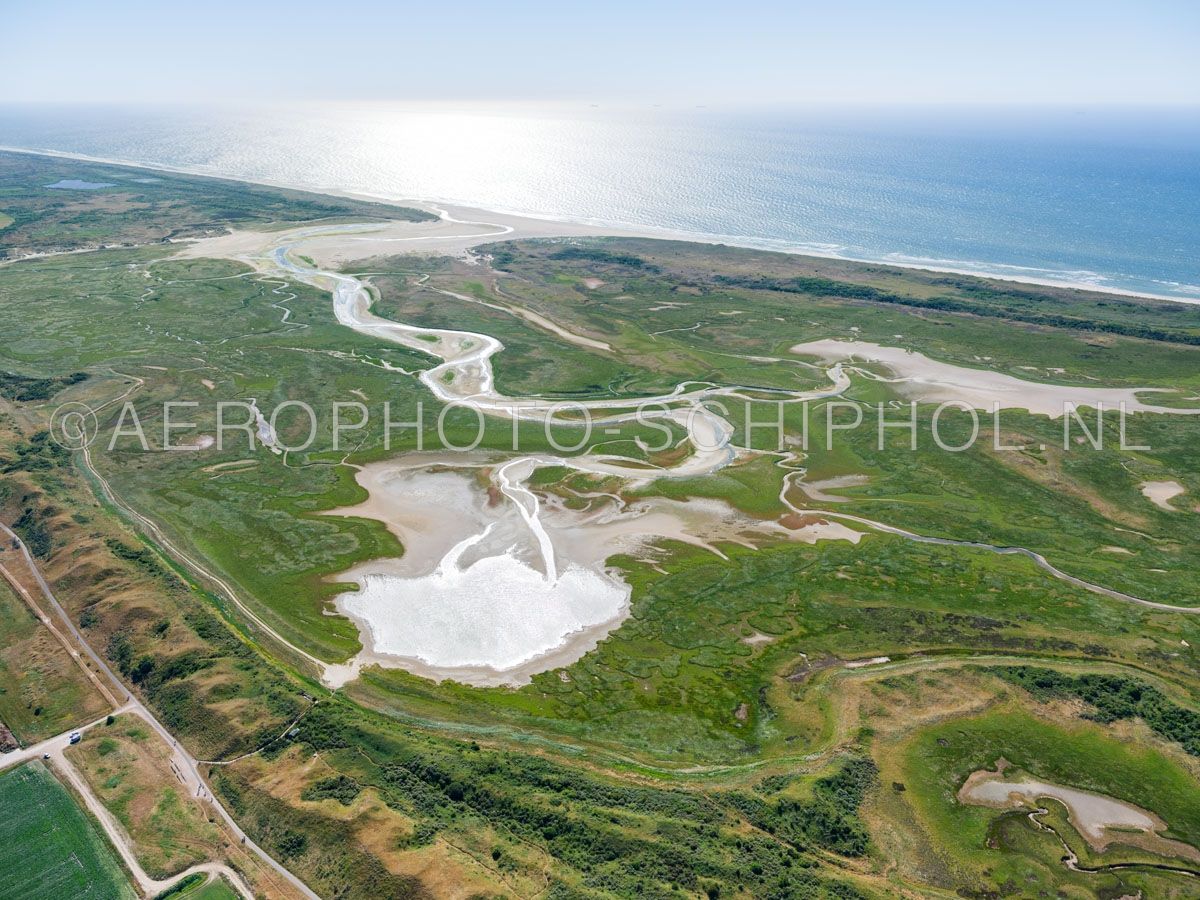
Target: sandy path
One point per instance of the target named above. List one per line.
(55, 748)
(186, 764)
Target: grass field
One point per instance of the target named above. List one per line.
(217, 889)
(128, 768)
(681, 660)
(201, 887)
(51, 848)
(42, 690)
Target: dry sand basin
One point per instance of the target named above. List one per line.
(1160, 493)
(469, 599)
(921, 378)
(456, 231)
(1092, 815)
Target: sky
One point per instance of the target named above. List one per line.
(639, 52)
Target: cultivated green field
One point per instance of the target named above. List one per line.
(218, 889)
(51, 848)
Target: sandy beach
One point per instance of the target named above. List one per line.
(457, 230)
(531, 224)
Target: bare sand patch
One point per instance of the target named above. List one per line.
(203, 442)
(456, 231)
(924, 379)
(809, 530)
(1098, 818)
(816, 490)
(864, 663)
(1160, 493)
(756, 638)
(474, 598)
(231, 465)
(554, 328)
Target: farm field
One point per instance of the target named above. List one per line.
(52, 848)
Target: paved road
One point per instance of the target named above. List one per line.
(185, 763)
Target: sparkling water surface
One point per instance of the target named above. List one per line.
(1106, 198)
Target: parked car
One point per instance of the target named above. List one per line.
(76, 737)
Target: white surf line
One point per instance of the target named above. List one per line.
(633, 229)
(503, 230)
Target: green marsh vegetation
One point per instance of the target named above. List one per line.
(728, 665)
(985, 849)
(176, 324)
(136, 206)
(1113, 698)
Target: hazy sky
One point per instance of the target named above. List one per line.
(921, 51)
